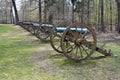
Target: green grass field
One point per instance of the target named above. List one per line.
(23, 57)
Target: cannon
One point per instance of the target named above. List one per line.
(34, 27)
(40, 30)
(25, 24)
(43, 32)
(31, 26)
(77, 42)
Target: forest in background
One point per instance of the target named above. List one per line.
(103, 15)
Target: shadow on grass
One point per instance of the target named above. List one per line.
(68, 63)
(61, 61)
(97, 58)
(41, 41)
(54, 56)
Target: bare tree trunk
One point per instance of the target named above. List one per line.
(11, 15)
(6, 16)
(73, 4)
(118, 17)
(50, 18)
(82, 12)
(88, 13)
(111, 15)
(99, 16)
(63, 6)
(45, 11)
(118, 9)
(102, 17)
(40, 19)
(16, 13)
(73, 13)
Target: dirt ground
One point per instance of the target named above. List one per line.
(108, 37)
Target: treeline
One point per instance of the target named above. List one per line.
(103, 15)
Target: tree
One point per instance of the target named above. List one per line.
(102, 16)
(11, 15)
(15, 10)
(111, 15)
(49, 10)
(88, 13)
(39, 4)
(73, 4)
(118, 9)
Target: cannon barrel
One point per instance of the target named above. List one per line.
(26, 23)
(36, 24)
(62, 29)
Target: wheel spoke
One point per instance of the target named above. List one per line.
(69, 47)
(71, 53)
(76, 52)
(84, 49)
(59, 47)
(81, 55)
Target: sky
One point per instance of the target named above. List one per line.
(18, 4)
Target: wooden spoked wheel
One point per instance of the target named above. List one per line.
(55, 41)
(55, 38)
(44, 33)
(26, 26)
(78, 42)
(35, 31)
(31, 29)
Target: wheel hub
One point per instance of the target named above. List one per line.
(78, 42)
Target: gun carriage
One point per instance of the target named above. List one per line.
(76, 41)
(40, 30)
